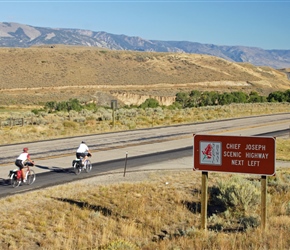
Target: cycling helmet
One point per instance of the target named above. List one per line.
(25, 150)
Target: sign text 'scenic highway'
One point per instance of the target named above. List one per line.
(234, 154)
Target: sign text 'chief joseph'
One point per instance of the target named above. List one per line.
(237, 154)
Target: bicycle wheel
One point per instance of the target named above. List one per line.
(78, 168)
(88, 166)
(14, 182)
(75, 164)
(30, 177)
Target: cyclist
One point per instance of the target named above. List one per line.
(83, 151)
(22, 161)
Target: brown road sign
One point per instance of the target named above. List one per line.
(234, 154)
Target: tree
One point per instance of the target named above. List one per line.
(205, 99)
(149, 103)
(239, 97)
(51, 106)
(61, 106)
(255, 97)
(182, 98)
(277, 96)
(287, 95)
(225, 98)
(194, 99)
(74, 104)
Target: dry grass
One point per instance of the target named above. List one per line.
(283, 149)
(40, 74)
(50, 126)
(158, 210)
(147, 214)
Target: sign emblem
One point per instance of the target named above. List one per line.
(210, 153)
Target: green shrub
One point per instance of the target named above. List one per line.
(71, 104)
(70, 124)
(37, 111)
(120, 245)
(91, 106)
(150, 103)
(249, 221)
(239, 194)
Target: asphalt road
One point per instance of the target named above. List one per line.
(57, 176)
(140, 149)
(107, 141)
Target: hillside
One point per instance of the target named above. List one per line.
(24, 36)
(38, 74)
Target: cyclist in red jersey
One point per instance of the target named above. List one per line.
(22, 160)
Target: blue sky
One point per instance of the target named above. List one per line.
(263, 24)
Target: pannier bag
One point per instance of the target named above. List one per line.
(75, 161)
(18, 174)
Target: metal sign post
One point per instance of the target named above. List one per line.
(114, 108)
(125, 164)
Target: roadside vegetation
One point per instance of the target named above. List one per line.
(161, 210)
(73, 118)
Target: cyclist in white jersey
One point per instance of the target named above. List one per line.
(83, 151)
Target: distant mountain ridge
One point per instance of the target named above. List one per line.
(21, 35)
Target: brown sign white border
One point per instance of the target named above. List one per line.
(234, 154)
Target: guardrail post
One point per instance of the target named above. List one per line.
(125, 164)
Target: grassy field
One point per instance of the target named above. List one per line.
(160, 212)
(63, 124)
(152, 210)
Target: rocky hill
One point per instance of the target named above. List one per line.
(56, 72)
(21, 35)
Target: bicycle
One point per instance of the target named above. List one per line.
(79, 167)
(15, 176)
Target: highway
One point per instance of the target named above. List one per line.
(137, 149)
(105, 141)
